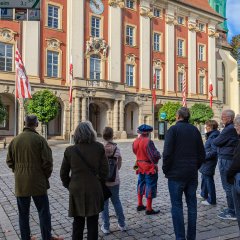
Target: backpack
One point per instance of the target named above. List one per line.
(112, 163)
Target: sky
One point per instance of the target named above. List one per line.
(233, 16)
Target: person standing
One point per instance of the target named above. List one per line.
(30, 158)
(146, 168)
(112, 150)
(226, 143)
(83, 167)
(183, 155)
(233, 170)
(208, 191)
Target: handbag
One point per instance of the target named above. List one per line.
(106, 192)
(237, 182)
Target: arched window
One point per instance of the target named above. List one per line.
(95, 67)
(224, 83)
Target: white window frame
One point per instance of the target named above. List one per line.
(157, 12)
(156, 42)
(180, 20)
(158, 73)
(130, 35)
(130, 75)
(180, 81)
(201, 52)
(201, 26)
(53, 17)
(201, 84)
(51, 74)
(95, 73)
(130, 4)
(95, 30)
(180, 47)
(6, 58)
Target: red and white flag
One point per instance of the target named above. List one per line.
(184, 92)
(210, 89)
(23, 88)
(154, 97)
(70, 80)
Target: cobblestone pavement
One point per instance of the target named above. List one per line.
(140, 226)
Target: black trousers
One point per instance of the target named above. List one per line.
(92, 228)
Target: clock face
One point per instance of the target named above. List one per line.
(97, 6)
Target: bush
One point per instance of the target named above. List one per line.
(200, 113)
(3, 112)
(170, 108)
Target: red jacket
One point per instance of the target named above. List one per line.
(147, 155)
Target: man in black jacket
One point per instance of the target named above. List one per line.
(183, 155)
(226, 143)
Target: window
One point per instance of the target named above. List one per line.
(130, 36)
(6, 57)
(95, 26)
(130, 4)
(158, 78)
(53, 16)
(95, 67)
(180, 82)
(201, 52)
(180, 47)
(156, 12)
(201, 85)
(6, 13)
(180, 20)
(52, 63)
(201, 27)
(129, 74)
(156, 45)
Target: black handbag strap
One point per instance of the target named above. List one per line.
(114, 152)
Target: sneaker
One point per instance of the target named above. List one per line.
(206, 203)
(122, 229)
(199, 196)
(152, 212)
(224, 210)
(227, 216)
(141, 208)
(105, 231)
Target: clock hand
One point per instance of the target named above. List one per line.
(95, 3)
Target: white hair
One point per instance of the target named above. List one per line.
(230, 113)
(84, 133)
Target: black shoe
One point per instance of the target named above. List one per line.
(152, 212)
(141, 208)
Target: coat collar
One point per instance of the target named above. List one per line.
(27, 129)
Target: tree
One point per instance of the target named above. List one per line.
(3, 112)
(170, 108)
(200, 113)
(235, 43)
(44, 105)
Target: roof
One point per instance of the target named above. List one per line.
(200, 4)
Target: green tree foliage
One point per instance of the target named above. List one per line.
(200, 113)
(235, 43)
(3, 112)
(170, 108)
(44, 105)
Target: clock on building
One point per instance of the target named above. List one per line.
(97, 6)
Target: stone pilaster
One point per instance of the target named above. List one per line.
(115, 116)
(21, 115)
(84, 109)
(121, 116)
(76, 115)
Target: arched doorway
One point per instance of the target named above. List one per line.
(55, 127)
(7, 127)
(131, 119)
(156, 115)
(98, 116)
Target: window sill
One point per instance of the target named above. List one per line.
(54, 29)
(134, 46)
(132, 9)
(203, 61)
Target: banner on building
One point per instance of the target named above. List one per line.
(20, 4)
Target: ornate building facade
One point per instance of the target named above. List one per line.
(116, 47)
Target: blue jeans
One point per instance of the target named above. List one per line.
(176, 190)
(42, 205)
(224, 165)
(236, 200)
(117, 206)
(208, 190)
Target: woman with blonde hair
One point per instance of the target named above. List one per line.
(84, 165)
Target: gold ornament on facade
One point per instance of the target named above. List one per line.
(131, 59)
(116, 3)
(146, 12)
(193, 27)
(53, 43)
(171, 20)
(96, 45)
(7, 35)
(213, 33)
(157, 63)
(202, 71)
(181, 68)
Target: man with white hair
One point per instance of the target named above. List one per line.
(226, 143)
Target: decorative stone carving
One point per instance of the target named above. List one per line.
(7, 35)
(193, 27)
(53, 43)
(131, 58)
(146, 12)
(116, 3)
(157, 63)
(171, 20)
(202, 71)
(213, 33)
(181, 68)
(97, 45)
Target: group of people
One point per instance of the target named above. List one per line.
(89, 166)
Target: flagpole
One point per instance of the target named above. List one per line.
(151, 75)
(15, 102)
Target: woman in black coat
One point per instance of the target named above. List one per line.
(233, 170)
(208, 191)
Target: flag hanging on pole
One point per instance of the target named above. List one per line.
(154, 98)
(210, 89)
(184, 88)
(23, 88)
(70, 80)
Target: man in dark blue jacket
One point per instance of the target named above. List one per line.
(183, 155)
(226, 143)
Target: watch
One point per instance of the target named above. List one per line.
(97, 6)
